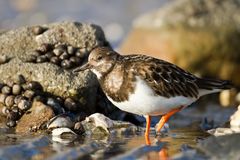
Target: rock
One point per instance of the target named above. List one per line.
(221, 131)
(35, 119)
(99, 125)
(235, 120)
(19, 44)
(228, 97)
(60, 121)
(222, 147)
(63, 132)
(206, 32)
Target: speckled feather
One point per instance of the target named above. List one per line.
(117, 76)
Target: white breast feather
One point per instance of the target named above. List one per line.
(144, 102)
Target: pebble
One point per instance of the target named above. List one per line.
(11, 123)
(55, 60)
(58, 51)
(70, 104)
(9, 101)
(75, 60)
(6, 90)
(16, 89)
(71, 50)
(3, 59)
(38, 30)
(2, 98)
(29, 94)
(64, 56)
(41, 59)
(60, 121)
(5, 110)
(13, 116)
(45, 47)
(66, 64)
(24, 104)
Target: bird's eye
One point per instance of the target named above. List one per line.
(99, 58)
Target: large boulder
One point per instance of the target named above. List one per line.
(201, 36)
(16, 58)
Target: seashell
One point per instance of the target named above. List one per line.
(70, 104)
(3, 59)
(18, 98)
(9, 101)
(5, 110)
(38, 30)
(45, 47)
(6, 90)
(75, 60)
(3, 98)
(16, 89)
(60, 121)
(55, 60)
(29, 94)
(42, 59)
(100, 120)
(49, 55)
(66, 64)
(11, 123)
(58, 51)
(20, 79)
(34, 85)
(71, 50)
(24, 104)
(64, 55)
(10, 83)
(80, 54)
(62, 132)
(78, 127)
(55, 104)
(13, 116)
(39, 98)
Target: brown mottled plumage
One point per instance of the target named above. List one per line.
(166, 79)
(147, 86)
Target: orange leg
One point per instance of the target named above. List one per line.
(165, 118)
(148, 122)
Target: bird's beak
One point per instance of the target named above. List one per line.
(82, 68)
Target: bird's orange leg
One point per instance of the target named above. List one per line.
(165, 118)
(148, 123)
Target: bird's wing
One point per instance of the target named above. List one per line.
(166, 79)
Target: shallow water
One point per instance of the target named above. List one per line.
(39, 147)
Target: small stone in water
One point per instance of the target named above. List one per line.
(11, 123)
(16, 89)
(6, 90)
(9, 101)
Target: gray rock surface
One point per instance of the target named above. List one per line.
(18, 45)
(206, 32)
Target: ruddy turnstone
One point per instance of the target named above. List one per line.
(147, 86)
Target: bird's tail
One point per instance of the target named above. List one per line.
(208, 86)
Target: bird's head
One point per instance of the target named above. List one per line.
(100, 61)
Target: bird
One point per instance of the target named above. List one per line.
(147, 86)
